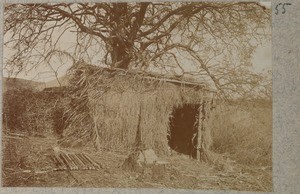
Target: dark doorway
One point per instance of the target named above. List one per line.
(183, 129)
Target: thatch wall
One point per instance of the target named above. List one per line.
(107, 105)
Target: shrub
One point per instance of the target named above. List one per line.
(244, 130)
(32, 112)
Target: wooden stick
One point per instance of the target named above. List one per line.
(65, 161)
(12, 137)
(75, 167)
(95, 164)
(82, 166)
(61, 162)
(82, 161)
(89, 161)
(17, 134)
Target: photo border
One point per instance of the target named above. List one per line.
(286, 107)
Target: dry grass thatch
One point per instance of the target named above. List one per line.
(107, 104)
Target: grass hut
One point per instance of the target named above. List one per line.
(124, 110)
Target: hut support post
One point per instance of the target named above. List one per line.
(138, 139)
(96, 135)
(203, 133)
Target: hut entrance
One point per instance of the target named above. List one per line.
(183, 129)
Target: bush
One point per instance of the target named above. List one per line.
(32, 112)
(244, 130)
(15, 105)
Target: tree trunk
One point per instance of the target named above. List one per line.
(125, 26)
(120, 56)
(121, 44)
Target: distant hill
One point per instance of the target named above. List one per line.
(18, 83)
(62, 81)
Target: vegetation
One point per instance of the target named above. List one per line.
(138, 48)
(32, 112)
(243, 131)
(217, 40)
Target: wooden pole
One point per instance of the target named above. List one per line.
(203, 139)
(199, 135)
(138, 139)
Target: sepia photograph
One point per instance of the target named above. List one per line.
(173, 95)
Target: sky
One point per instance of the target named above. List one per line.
(261, 60)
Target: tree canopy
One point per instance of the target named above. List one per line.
(212, 39)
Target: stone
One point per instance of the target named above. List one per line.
(138, 160)
(150, 156)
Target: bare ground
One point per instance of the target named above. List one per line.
(25, 159)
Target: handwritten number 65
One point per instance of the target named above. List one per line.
(283, 7)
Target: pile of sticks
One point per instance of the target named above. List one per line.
(74, 161)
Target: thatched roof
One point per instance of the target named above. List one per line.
(96, 71)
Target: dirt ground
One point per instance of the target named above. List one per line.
(25, 158)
